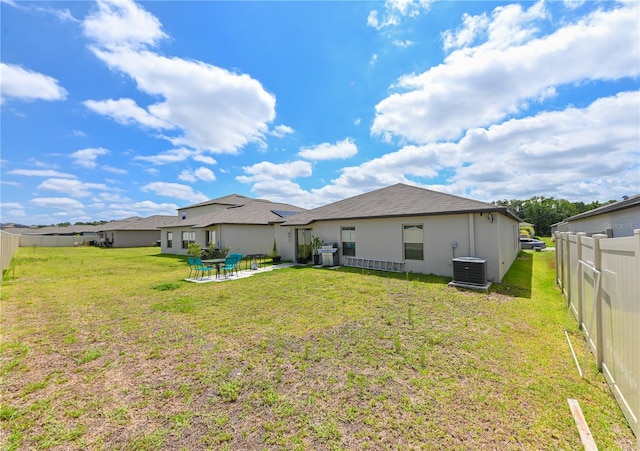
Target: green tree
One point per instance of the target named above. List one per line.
(543, 212)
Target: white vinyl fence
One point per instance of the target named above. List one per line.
(600, 278)
(9, 244)
(51, 240)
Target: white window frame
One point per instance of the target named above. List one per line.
(348, 235)
(413, 234)
(188, 238)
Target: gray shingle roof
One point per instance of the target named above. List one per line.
(620, 205)
(395, 201)
(231, 200)
(149, 223)
(54, 230)
(258, 212)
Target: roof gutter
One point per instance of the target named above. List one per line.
(502, 210)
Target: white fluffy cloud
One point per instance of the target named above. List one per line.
(393, 12)
(20, 83)
(237, 108)
(281, 130)
(41, 173)
(119, 208)
(201, 173)
(88, 157)
(267, 171)
(175, 190)
(478, 86)
(126, 112)
(11, 210)
(565, 154)
(341, 150)
(122, 23)
(204, 159)
(166, 157)
(72, 187)
(59, 203)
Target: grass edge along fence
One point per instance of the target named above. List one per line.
(9, 244)
(599, 278)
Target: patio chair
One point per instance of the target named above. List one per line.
(231, 264)
(202, 267)
(192, 266)
(195, 264)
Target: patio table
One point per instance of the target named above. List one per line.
(258, 258)
(214, 262)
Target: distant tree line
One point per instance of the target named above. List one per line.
(542, 211)
(67, 224)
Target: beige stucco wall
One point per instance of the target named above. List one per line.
(475, 235)
(508, 243)
(285, 238)
(246, 239)
(197, 211)
(135, 238)
(622, 223)
(200, 237)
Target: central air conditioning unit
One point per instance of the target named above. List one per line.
(470, 272)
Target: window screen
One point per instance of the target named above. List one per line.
(413, 240)
(348, 238)
(188, 237)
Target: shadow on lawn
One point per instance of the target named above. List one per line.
(171, 256)
(406, 276)
(517, 281)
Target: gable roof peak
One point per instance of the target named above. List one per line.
(399, 200)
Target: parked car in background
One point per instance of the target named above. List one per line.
(532, 243)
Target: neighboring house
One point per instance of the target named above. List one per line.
(422, 229)
(133, 232)
(616, 220)
(245, 225)
(213, 205)
(88, 231)
(72, 235)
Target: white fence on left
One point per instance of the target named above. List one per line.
(9, 244)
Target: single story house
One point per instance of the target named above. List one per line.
(245, 225)
(132, 232)
(419, 229)
(89, 231)
(616, 220)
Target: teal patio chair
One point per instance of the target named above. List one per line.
(192, 266)
(202, 267)
(231, 264)
(195, 264)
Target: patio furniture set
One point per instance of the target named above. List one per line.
(226, 266)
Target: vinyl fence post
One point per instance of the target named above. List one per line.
(558, 259)
(580, 301)
(636, 294)
(567, 283)
(597, 264)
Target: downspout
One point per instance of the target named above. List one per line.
(472, 237)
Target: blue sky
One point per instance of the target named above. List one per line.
(115, 109)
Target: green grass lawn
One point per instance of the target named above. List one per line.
(112, 349)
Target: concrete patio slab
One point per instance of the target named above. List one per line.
(240, 275)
